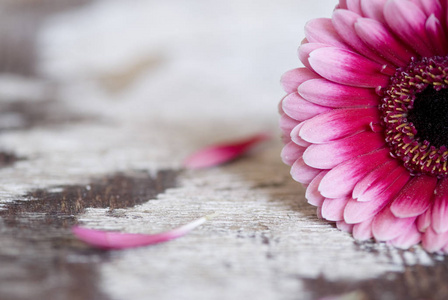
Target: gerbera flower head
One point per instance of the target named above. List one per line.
(365, 122)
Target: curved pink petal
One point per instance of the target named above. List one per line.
(293, 78)
(344, 23)
(342, 4)
(363, 231)
(291, 152)
(322, 31)
(437, 35)
(414, 199)
(295, 137)
(346, 67)
(373, 9)
(300, 109)
(117, 240)
(329, 155)
(337, 124)
(433, 241)
(430, 7)
(407, 21)
(379, 37)
(377, 175)
(354, 6)
(408, 239)
(357, 211)
(340, 180)
(305, 51)
(384, 183)
(439, 220)
(327, 93)
(424, 220)
(312, 193)
(222, 153)
(303, 173)
(386, 226)
(333, 209)
(286, 125)
(341, 225)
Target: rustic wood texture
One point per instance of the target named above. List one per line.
(100, 101)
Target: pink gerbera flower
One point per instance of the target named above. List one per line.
(365, 122)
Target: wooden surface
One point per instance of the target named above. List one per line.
(100, 101)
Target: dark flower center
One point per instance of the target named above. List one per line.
(430, 116)
(414, 108)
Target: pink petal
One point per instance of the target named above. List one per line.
(386, 226)
(327, 93)
(342, 4)
(363, 231)
(375, 176)
(439, 220)
(408, 21)
(292, 79)
(296, 137)
(341, 225)
(312, 194)
(415, 197)
(322, 31)
(373, 9)
(437, 35)
(337, 124)
(305, 51)
(430, 7)
(340, 180)
(346, 67)
(344, 23)
(300, 109)
(222, 153)
(303, 173)
(408, 239)
(357, 211)
(333, 209)
(327, 156)
(291, 152)
(424, 220)
(117, 240)
(433, 241)
(354, 6)
(286, 125)
(384, 183)
(379, 37)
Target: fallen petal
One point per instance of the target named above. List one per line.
(219, 154)
(117, 240)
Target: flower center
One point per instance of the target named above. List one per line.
(414, 108)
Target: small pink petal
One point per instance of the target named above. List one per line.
(433, 241)
(312, 194)
(292, 79)
(337, 124)
(424, 220)
(373, 9)
(407, 20)
(439, 221)
(326, 93)
(305, 50)
(303, 173)
(408, 239)
(300, 109)
(291, 152)
(333, 209)
(354, 6)
(346, 67)
(414, 199)
(295, 137)
(118, 240)
(341, 225)
(363, 231)
(219, 154)
(387, 227)
(437, 35)
(341, 180)
(286, 125)
(322, 31)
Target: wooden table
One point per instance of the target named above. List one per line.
(100, 101)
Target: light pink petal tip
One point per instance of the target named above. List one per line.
(111, 240)
(222, 153)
